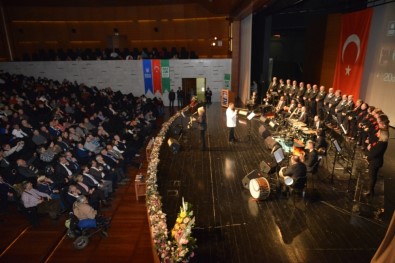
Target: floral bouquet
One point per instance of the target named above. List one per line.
(182, 234)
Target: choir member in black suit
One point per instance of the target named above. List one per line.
(376, 153)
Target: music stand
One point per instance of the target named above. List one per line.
(343, 129)
(250, 116)
(279, 155)
(338, 150)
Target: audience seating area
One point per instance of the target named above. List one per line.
(108, 54)
(68, 140)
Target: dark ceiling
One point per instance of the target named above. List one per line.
(223, 7)
(232, 8)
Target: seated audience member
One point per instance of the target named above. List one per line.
(7, 194)
(15, 152)
(92, 144)
(38, 139)
(46, 185)
(72, 194)
(87, 216)
(63, 171)
(27, 170)
(92, 182)
(97, 172)
(94, 194)
(32, 198)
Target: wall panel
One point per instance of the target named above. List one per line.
(188, 26)
(120, 74)
(332, 38)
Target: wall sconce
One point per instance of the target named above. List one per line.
(216, 43)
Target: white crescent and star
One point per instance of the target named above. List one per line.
(351, 39)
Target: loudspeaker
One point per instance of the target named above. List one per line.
(270, 143)
(264, 132)
(174, 145)
(268, 167)
(251, 175)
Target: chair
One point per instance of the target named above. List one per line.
(323, 156)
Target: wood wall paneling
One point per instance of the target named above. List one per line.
(332, 38)
(153, 26)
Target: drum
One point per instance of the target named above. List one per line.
(260, 188)
(281, 173)
(299, 124)
(288, 180)
(308, 134)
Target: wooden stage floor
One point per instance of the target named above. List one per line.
(326, 226)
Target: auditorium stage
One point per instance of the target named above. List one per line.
(326, 226)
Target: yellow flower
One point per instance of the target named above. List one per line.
(179, 220)
(183, 214)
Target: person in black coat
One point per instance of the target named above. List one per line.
(311, 156)
(375, 156)
(201, 120)
(172, 97)
(297, 171)
(321, 145)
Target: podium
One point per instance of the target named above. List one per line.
(140, 186)
(227, 97)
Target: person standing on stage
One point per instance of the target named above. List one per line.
(202, 121)
(208, 95)
(172, 97)
(376, 151)
(180, 98)
(231, 119)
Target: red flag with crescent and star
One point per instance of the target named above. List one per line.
(156, 76)
(351, 53)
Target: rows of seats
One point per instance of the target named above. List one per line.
(108, 54)
(61, 140)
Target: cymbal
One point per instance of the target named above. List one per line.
(307, 131)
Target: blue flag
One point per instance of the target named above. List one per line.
(147, 71)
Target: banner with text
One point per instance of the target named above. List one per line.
(227, 81)
(147, 71)
(165, 70)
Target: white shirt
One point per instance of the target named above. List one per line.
(231, 117)
(18, 133)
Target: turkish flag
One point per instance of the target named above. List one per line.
(156, 76)
(351, 53)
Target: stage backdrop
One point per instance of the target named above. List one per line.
(128, 75)
(378, 82)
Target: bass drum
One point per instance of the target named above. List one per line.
(260, 188)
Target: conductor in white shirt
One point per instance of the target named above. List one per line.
(231, 120)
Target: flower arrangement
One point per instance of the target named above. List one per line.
(180, 245)
(181, 233)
